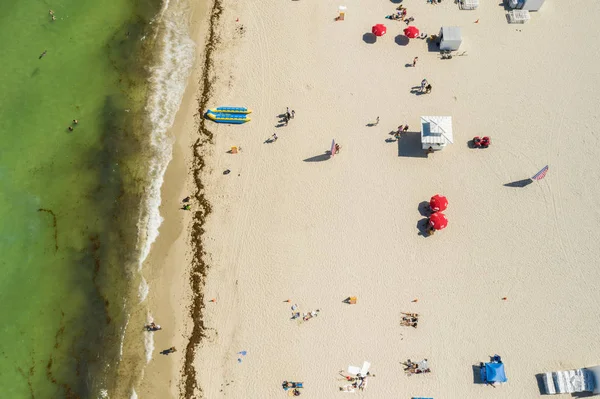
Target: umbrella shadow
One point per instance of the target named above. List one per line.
(519, 183)
(410, 145)
(424, 209)
(319, 158)
(369, 38)
(402, 40)
(422, 227)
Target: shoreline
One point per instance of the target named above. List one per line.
(168, 266)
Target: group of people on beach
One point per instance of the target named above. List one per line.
(305, 316)
(410, 320)
(356, 382)
(285, 118)
(186, 206)
(153, 327)
(398, 133)
(416, 368)
(425, 86)
(400, 15)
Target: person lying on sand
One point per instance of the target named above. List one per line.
(411, 314)
(409, 324)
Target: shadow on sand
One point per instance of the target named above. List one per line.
(369, 38)
(402, 40)
(519, 183)
(319, 158)
(422, 227)
(424, 209)
(410, 145)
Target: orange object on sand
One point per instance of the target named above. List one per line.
(477, 21)
(352, 300)
(415, 300)
(504, 299)
(234, 150)
(213, 300)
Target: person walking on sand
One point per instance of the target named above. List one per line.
(275, 137)
(287, 113)
(377, 121)
(415, 61)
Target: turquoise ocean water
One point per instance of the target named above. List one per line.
(69, 200)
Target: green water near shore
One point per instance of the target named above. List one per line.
(67, 198)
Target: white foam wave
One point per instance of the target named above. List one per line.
(133, 394)
(123, 335)
(143, 290)
(168, 79)
(103, 394)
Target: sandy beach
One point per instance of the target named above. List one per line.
(291, 223)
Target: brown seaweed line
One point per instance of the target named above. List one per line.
(54, 225)
(189, 384)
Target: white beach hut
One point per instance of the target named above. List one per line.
(436, 132)
(450, 38)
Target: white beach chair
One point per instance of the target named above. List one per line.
(468, 4)
(518, 16)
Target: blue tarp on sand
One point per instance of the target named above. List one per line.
(493, 372)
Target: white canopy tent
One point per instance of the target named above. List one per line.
(450, 38)
(436, 132)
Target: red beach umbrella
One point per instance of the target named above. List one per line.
(411, 32)
(379, 30)
(438, 221)
(438, 203)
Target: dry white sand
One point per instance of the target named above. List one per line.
(318, 232)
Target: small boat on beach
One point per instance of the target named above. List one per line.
(231, 110)
(225, 117)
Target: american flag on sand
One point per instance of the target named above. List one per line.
(541, 174)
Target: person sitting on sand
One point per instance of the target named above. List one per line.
(428, 88)
(337, 148)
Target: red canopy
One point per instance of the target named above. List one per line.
(438, 221)
(411, 32)
(438, 203)
(379, 30)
